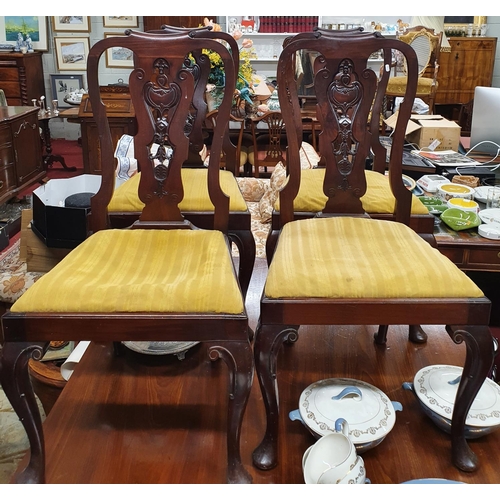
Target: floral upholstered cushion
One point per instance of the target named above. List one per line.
(266, 204)
(252, 188)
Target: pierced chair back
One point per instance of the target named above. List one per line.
(232, 153)
(349, 95)
(163, 90)
(196, 120)
(268, 137)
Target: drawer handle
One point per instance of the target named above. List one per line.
(498, 255)
(1, 184)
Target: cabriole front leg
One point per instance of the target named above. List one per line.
(239, 360)
(16, 383)
(480, 351)
(268, 342)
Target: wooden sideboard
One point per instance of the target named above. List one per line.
(21, 161)
(469, 64)
(21, 77)
(121, 117)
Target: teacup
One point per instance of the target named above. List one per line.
(356, 475)
(334, 454)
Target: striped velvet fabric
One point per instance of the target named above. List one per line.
(378, 198)
(348, 257)
(118, 270)
(194, 180)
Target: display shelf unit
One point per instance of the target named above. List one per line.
(268, 45)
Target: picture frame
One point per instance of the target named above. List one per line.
(72, 53)
(118, 57)
(120, 21)
(63, 84)
(73, 24)
(34, 26)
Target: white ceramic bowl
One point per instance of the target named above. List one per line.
(463, 204)
(451, 190)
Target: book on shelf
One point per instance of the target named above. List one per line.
(447, 158)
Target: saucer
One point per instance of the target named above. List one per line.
(159, 348)
(490, 215)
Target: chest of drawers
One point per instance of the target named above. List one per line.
(20, 150)
(21, 77)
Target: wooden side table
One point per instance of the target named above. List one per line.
(49, 158)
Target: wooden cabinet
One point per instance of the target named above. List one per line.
(122, 120)
(20, 150)
(21, 77)
(155, 22)
(469, 64)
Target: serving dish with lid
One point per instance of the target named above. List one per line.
(435, 387)
(369, 413)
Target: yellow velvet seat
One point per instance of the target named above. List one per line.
(348, 257)
(196, 198)
(151, 279)
(378, 198)
(397, 85)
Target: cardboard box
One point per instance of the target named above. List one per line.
(423, 130)
(55, 224)
(33, 251)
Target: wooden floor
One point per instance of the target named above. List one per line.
(146, 419)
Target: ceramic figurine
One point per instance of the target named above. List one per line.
(19, 42)
(29, 44)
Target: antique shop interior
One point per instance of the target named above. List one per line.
(249, 249)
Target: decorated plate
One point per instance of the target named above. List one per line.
(490, 215)
(409, 182)
(159, 348)
(432, 480)
(460, 219)
(481, 193)
(434, 205)
(436, 386)
(368, 411)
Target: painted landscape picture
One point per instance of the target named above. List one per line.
(27, 25)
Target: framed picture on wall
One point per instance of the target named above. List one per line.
(120, 22)
(71, 23)
(118, 57)
(32, 27)
(62, 85)
(72, 53)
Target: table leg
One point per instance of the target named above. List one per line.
(48, 157)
